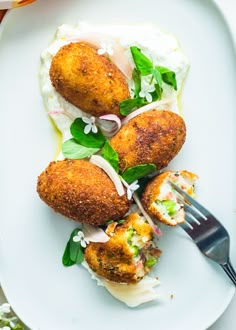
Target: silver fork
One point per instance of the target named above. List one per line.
(207, 232)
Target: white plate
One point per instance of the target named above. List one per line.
(45, 294)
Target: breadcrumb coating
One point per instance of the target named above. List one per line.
(81, 191)
(89, 81)
(117, 260)
(159, 190)
(155, 137)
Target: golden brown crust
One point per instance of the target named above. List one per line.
(89, 81)
(81, 191)
(152, 137)
(114, 259)
(152, 193)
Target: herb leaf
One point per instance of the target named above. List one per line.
(73, 253)
(168, 76)
(142, 63)
(66, 260)
(158, 77)
(73, 150)
(111, 156)
(76, 251)
(127, 106)
(137, 172)
(94, 140)
(136, 76)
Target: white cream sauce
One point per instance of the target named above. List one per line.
(164, 50)
(161, 47)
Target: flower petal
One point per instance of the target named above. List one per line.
(83, 243)
(94, 129)
(149, 97)
(142, 94)
(76, 239)
(86, 120)
(87, 128)
(129, 194)
(101, 51)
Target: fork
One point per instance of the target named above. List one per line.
(207, 232)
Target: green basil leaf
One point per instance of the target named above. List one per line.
(142, 185)
(76, 250)
(94, 140)
(158, 92)
(157, 76)
(168, 76)
(66, 260)
(136, 76)
(129, 105)
(142, 63)
(73, 150)
(137, 172)
(111, 156)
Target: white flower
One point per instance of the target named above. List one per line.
(90, 125)
(106, 47)
(5, 308)
(131, 189)
(145, 92)
(80, 238)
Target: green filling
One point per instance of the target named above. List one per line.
(135, 250)
(169, 205)
(130, 233)
(150, 262)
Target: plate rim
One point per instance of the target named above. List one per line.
(220, 5)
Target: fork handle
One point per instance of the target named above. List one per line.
(228, 268)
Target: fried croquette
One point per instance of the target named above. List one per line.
(129, 254)
(154, 137)
(89, 81)
(81, 191)
(161, 201)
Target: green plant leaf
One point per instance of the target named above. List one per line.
(73, 150)
(157, 76)
(66, 260)
(73, 253)
(76, 252)
(93, 140)
(129, 105)
(142, 63)
(110, 155)
(137, 172)
(168, 76)
(136, 76)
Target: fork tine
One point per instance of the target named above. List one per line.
(192, 212)
(189, 224)
(190, 200)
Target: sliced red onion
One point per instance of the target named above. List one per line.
(111, 129)
(94, 234)
(61, 111)
(155, 229)
(56, 112)
(106, 167)
(145, 108)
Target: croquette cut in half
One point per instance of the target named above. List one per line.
(154, 136)
(160, 199)
(81, 191)
(129, 254)
(91, 82)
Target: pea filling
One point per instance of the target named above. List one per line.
(169, 205)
